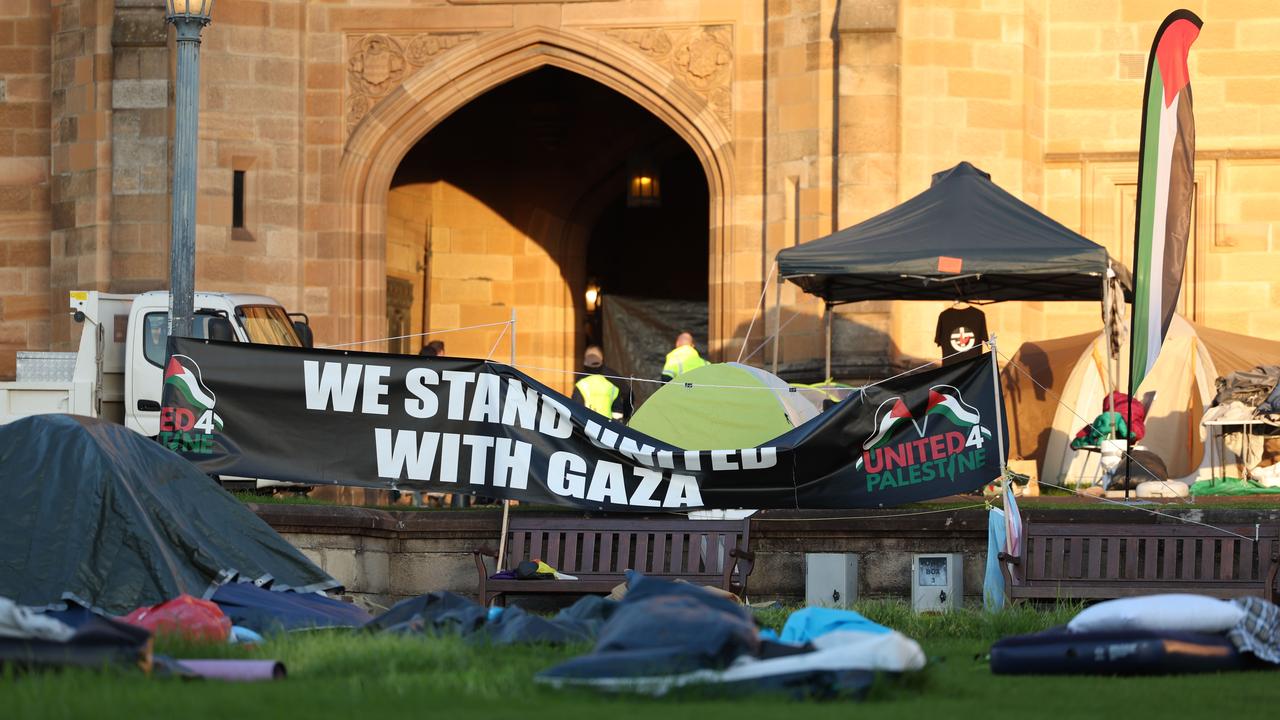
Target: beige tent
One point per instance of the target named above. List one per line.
(1055, 387)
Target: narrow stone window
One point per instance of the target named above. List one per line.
(237, 199)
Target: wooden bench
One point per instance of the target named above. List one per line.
(1094, 561)
(599, 550)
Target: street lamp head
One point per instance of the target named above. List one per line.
(189, 10)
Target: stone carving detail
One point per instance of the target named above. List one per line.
(378, 63)
(701, 58)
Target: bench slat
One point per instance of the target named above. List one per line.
(1244, 566)
(606, 553)
(659, 553)
(571, 541)
(624, 552)
(676, 555)
(553, 549)
(1170, 555)
(1190, 547)
(1113, 557)
(1150, 551)
(1056, 565)
(1075, 557)
(1036, 546)
(588, 562)
(1131, 558)
(1208, 558)
(642, 552)
(697, 550)
(1094, 565)
(515, 549)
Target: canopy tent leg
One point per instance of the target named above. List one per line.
(828, 310)
(777, 318)
(506, 504)
(999, 403)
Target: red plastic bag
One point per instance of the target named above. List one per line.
(185, 616)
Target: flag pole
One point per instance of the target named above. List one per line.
(506, 504)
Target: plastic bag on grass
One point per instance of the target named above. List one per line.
(183, 616)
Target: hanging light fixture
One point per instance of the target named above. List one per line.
(593, 296)
(643, 189)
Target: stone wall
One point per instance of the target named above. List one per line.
(807, 115)
(382, 557)
(25, 40)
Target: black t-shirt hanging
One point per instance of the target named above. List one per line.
(960, 330)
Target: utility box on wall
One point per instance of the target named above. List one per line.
(830, 579)
(937, 582)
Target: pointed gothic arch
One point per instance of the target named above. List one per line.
(392, 127)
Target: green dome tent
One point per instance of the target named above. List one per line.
(722, 406)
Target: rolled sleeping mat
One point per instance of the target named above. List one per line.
(1129, 652)
(237, 670)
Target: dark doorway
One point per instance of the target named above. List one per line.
(554, 156)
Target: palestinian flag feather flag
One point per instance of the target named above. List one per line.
(1166, 189)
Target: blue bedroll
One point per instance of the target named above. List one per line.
(265, 611)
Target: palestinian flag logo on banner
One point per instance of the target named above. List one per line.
(183, 375)
(944, 401)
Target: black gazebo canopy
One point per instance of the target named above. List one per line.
(963, 238)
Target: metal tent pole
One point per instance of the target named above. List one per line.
(506, 504)
(828, 364)
(995, 378)
(777, 319)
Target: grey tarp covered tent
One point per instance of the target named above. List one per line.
(964, 237)
(96, 514)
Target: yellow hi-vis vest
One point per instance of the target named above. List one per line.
(682, 360)
(598, 393)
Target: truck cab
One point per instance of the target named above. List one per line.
(219, 316)
(117, 373)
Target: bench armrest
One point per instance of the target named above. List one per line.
(1007, 564)
(479, 554)
(742, 560)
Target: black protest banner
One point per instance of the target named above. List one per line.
(471, 426)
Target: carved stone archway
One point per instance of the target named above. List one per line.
(455, 77)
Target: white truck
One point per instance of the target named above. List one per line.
(118, 371)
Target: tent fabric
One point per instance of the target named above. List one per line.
(101, 516)
(964, 237)
(265, 612)
(444, 613)
(666, 636)
(1179, 388)
(638, 333)
(729, 405)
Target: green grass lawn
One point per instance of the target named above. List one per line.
(336, 675)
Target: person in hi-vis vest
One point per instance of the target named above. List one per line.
(597, 391)
(683, 359)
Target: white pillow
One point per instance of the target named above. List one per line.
(1174, 612)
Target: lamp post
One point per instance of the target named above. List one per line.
(189, 18)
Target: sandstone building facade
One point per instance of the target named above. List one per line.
(387, 165)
